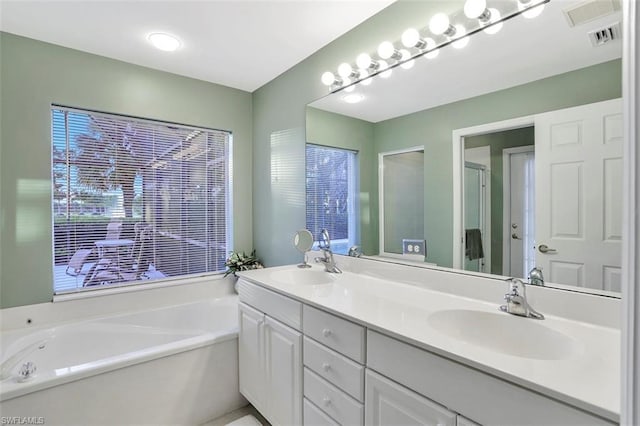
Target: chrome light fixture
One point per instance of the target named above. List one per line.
(444, 30)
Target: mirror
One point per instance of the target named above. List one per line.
(303, 241)
(521, 73)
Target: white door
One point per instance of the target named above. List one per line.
(251, 355)
(283, 348)
(579, 195)
(388, 403)
(518, 233)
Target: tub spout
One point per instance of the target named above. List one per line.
(8, 365)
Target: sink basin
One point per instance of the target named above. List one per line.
(303, 276)
(504, 333)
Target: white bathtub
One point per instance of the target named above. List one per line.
(173, 365)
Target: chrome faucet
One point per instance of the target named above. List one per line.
(327, 259)
(516, 298)
(8, 365)
(354, 251)
(535, 276)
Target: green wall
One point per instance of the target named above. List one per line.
(335, 130)
(33, 75)
(433, 128)
(280, 106)
(497, 143)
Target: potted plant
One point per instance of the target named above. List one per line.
(240, 261)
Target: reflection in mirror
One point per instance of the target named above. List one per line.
(523, 71)
(494, 189)
(303, 241)
(401, 199)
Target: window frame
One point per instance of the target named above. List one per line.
(82, 291)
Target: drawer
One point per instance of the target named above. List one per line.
(331, 400)
(335, 368)
(341, 335)
(280, 307)
(313, 416)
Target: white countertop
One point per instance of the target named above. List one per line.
(588, 379)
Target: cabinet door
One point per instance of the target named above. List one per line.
(388, 403)
(283, 349)
(251, 356)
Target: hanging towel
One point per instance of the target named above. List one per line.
(473, 244)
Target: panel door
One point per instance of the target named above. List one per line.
(579, 195)
(388, 403)
(251, 357)
(283, 349)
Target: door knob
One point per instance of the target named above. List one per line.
(543, 248)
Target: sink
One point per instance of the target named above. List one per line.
(504, 333)
(303, 276)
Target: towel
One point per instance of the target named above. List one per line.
(473, 244)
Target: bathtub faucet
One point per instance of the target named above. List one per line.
(7, 365)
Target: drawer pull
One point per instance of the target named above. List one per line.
(326, 367)
(326, 332)
(326, 401)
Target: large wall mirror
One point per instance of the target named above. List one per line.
(479, 117)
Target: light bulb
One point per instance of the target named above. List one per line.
(364, 61)
(429, 45)
(344, 70)
(474, 8)
(495, 16)
(328, 78)
(164, 41)
(406, 64)
(530, 13)
(462, 42)
(439, 23)
(386, 50)
(410, 38)
(385, 68)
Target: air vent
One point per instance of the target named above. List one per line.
(590, 10)
(605, 35)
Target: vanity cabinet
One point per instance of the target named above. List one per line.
(388, 403)
(270, 359)
(303, 365)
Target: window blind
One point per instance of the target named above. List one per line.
(331, 195)
(136, 200)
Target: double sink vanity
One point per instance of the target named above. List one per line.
(385, 343)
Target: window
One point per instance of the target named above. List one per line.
(331, 195)
(136, 200)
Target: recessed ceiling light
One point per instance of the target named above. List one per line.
(164, 41)
(353, 98)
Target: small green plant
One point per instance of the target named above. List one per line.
(240, 261)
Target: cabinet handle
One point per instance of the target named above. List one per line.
(326, 366)
(326, 332)
(327, 401)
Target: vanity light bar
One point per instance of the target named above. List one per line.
(475, 15)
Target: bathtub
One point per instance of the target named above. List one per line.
(170, 365)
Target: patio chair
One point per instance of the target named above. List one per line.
(77, 261)
(125, 269)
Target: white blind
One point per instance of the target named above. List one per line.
(136, 200)
(331, 195)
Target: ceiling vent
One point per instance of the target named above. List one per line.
(590, 10)
(605, 35)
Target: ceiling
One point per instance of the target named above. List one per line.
(524, 50)
(237, 43)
